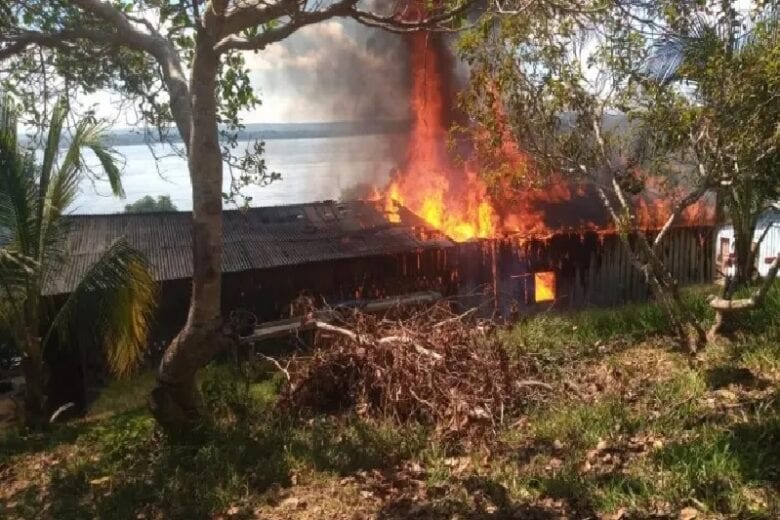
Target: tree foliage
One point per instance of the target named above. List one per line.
(148, 204)
(729, 62)
(144, 50)
(602, 91)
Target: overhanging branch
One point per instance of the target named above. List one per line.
(18, 43)
(260, 13)
(297, 20)
(398, 23)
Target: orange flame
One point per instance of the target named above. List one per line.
(450, 199)
(544, 286)
(455, 200)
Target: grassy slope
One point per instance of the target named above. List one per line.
(633, 428)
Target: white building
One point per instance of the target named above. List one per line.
(768, 250)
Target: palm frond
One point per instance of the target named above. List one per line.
(115, 299)
(16, 273)
(108, 161)
(17, 188)
(52, 145)
(117, 294)
(672, 50)
(7, 118)
(64, 184)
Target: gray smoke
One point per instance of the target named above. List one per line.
(337, 70)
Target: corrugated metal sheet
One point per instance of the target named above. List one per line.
(257, 238)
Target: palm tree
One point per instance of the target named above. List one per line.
(117, 291)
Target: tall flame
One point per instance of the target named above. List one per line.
(449, 198)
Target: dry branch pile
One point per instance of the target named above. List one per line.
(436, 368)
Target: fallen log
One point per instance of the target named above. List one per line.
(320, 319)
(287, 327)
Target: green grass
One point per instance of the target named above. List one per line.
(588, 328)
(582, 425)
(124, 394)
(715, 463)
(119, 466)
(723, 461)
(656, 433)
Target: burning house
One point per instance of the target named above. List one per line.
(436, 226)
(547, 244)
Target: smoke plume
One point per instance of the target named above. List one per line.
(333, 71)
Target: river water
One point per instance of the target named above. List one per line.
(312, 169)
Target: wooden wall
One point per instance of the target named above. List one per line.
(590, 269)
(268, 293)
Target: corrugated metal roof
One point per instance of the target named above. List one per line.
(256, 238)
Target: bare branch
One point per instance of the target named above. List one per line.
(338, 330)
(397, 23)
(278, 365)
(690, 199)
(407, 340)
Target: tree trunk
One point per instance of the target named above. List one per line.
(743, 242)
(645, 258)
(175, 401)
(32, 367)
(686, 328)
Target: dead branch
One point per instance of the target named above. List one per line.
(409, 341)
(377, 368)
(338, 330)
(534, 382)
(278, 365)
(456, 318)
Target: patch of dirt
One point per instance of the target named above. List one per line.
(616, 455)
(405, 493)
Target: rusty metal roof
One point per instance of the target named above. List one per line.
(255, 238)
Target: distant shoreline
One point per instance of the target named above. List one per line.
(269, 131)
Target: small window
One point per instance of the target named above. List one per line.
(544, 286)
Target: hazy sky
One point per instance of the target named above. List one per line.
(332, 71)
